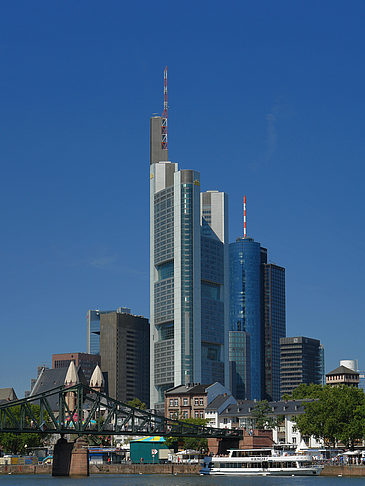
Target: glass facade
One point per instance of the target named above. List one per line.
(275, 327)
(246, 297)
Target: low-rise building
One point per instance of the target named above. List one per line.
(191, 400)
(343, 376)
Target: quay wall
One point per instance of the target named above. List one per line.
(329, 470)
(349, 470)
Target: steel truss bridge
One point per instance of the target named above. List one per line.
(83, 411)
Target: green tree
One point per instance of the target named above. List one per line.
(261, 413)
(334, 414)
(20, 443)
(189, 442)
(137, 403)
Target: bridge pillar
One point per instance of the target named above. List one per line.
(70, 458)
(80, 458)
(62, 457)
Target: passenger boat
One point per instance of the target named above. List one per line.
(260, 462)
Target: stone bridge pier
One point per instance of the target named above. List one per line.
(71, 458)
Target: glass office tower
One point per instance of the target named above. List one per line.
(274, 327)
(188, 281)
(246, 259)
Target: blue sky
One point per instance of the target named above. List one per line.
(265, 99)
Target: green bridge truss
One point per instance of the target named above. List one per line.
(83, 411)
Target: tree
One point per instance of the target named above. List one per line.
(335, 414)
(137, 403)
(189, 442)
(261, 415)
(20, 443)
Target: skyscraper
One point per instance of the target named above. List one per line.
(124, 353)
(301, 361)
(246, 313)
(93, 328)
(188, 274)
(274, 327)
(257, 320)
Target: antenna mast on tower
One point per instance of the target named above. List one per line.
(164, 114)
(244, 218)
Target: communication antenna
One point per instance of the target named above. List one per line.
(164, 114)
(244, 218)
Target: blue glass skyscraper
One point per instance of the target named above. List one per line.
(246, 313)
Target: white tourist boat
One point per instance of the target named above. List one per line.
(260, 462)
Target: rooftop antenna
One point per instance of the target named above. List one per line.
(244, 218)
(164, 114)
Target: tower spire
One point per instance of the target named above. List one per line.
(244, 218)
(164, 114)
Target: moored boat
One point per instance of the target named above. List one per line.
(260, 462)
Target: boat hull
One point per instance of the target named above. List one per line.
(310, 471)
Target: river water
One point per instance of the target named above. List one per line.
(167, 480)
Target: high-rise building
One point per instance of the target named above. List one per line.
(214, 287)
(246, 315)
(301, 361)
(124, 353)
(188, 280)
(257, 320)
(93, 328)
(274, 327)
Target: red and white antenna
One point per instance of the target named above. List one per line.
(164, 114)
(244, 218)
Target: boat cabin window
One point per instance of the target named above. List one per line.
(252, 453)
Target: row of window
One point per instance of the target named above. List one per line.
(174, 402)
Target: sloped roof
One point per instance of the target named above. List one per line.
(217, 402)
(342, 370)
(52, 378)
(244, 408)
(190, 389)
(7, 395)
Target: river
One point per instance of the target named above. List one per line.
(167, 480)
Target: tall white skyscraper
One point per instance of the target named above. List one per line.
(188, 278)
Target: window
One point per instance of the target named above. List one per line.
(185, 414)
(201, 414)
(185, 401)
(176, 403)
(196, 401)
(196, 414)
(201, 401)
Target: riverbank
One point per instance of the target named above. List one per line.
(174, 469)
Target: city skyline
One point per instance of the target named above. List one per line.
(271, 108)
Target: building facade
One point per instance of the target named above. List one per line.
(274, 327)
(301, 361)
(246, 259)
(124, 353)
(188, 280)
(257, 321)
(93, 328)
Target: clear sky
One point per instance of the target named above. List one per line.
(265, 99)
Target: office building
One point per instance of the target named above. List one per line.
(93, 328)
(274, 327)
(246, 259)
(301, 361)
(125, 357)
(87, 362)
(188, 280)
